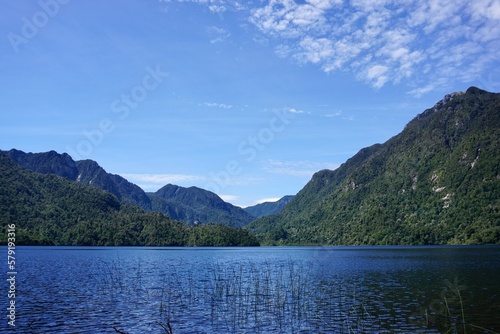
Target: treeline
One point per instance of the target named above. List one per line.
(51, 210)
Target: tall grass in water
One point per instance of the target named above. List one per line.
(258, 298)
(281, 300)
(284, 297)
(447, 314)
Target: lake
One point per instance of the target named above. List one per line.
(443, 289)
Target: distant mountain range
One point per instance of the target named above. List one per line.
(268, 208)
(437, 182)
(188, 205)
(48, 209)
(85, 172)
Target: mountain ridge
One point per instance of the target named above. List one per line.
(188, 205)
(436, 182)
(195, 205)
(268, 208)
(48, 209)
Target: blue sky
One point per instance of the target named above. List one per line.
(246, 99)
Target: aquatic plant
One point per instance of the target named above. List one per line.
(279, 298)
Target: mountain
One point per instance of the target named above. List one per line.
(268, 208)
(437, 182)
(46, 163)
(184, 204)
(195, 205)
(85, 172)
(92, 174)
(48, 209)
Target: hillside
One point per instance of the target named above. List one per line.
(48, 209)
(437, 182)
(194, 204)
(85, 171)
(184, 204)
(268, 208)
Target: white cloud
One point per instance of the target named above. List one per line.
(333, 114)
(422, 90)
(315, 50)
(217, 34)
(228, 198)
(324, 4)
(383, 41)
(377, 75)
(489, 9)
(264, 200)
(217, 8)
(287, 18)
(218, 105)
(387, 40)
(156, 181)
(295, 111)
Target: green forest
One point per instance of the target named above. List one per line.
(51, 210)
(437, 182)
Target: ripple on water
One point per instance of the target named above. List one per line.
(303, 290)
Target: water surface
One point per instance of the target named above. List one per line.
(257, 290)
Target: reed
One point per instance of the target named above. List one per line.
(238, 297)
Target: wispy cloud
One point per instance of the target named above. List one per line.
(264, 200)
(217, 34)
(427, 44)
(295, 111)
(218, 105)
(215, 6)
(338, 114)
(333, 114)
(295, 168)
(229, 198)
(156, 181)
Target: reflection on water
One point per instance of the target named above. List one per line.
(258, 290)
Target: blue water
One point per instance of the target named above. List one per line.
(256, 290)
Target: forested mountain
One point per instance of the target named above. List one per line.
(48, 209)
(85, 172)
(184, 204)
(195, 205)
(46, 163)
(437, 182)
(128, 193)
(268, 208)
